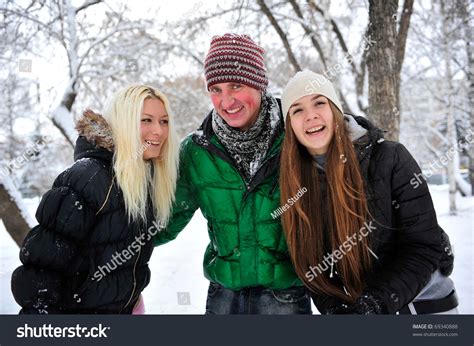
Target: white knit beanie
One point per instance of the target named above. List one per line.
(306, 83)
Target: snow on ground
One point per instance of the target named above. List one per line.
(460, 229)
(178, 285)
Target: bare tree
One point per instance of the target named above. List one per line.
(452, 137)
(63, 26)
(281, 34)
(442, 95)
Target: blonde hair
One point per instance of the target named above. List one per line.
(136, 177)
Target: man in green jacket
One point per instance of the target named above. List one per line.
(229, 169)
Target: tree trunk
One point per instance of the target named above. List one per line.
(471, 111)
(12, 212)
(470, 80)
(385, 61)
(62, 117)
(384, 78)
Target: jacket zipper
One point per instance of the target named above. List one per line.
(248, 186)
(134, 278)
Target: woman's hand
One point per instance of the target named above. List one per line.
(366, 304)
(446, 263)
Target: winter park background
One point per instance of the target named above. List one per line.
(60, 57)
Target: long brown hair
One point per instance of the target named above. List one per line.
(345, 210)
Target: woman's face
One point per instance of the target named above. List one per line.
(312, 122)
(237, 104)
(154, 128)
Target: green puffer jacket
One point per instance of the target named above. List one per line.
(247, 246)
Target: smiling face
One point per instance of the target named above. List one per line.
(154, 127)
(237, 104)
(312, 122)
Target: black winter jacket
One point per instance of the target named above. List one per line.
(84, 256)
(406, 238)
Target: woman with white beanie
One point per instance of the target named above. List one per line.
(364, 236)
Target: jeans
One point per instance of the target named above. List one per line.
(257, 300)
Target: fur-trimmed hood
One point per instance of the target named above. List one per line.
(95, 137)
(95, 129)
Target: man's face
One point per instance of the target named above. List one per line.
(237, 104)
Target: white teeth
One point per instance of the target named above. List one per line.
(233, 111)
(153, 142)
(315, 129)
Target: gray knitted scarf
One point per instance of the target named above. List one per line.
(248, 148)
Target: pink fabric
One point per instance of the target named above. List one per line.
(139, 308)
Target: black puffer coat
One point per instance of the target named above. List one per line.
(84, 256)
(406, 238)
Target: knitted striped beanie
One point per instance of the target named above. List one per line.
(235, 58)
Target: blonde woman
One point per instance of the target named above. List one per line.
(90, 251)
